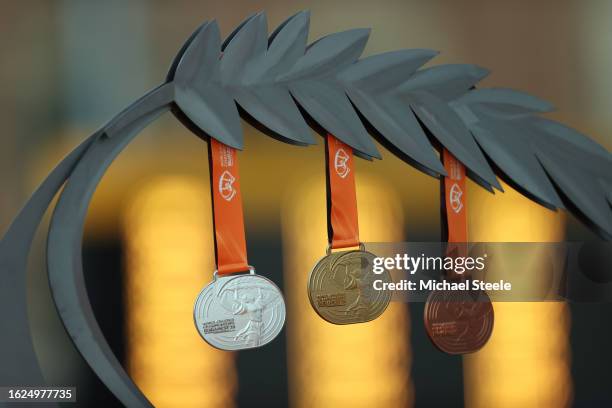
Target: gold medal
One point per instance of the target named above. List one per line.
(340, 288)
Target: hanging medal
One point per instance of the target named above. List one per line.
(238, 309)
(457, 321)
(340, 285)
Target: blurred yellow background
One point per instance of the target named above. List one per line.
(68, 66)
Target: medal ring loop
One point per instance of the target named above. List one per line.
(251, 270)
(328, 250)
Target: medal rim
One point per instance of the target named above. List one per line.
(234, 276)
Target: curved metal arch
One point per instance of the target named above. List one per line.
(64, 261)
(18, 352)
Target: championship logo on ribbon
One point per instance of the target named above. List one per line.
(455, 198)
(226, 185)
(341, 163)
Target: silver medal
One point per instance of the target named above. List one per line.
(237, 312)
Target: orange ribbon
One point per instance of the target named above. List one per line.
(455, 202)
(342, 223)
(228, 221)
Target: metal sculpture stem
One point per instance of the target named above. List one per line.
(64, 246)
(18, 354)
(83, 168)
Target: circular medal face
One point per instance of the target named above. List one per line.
(458, 322)
(239, 312)
(340, 288)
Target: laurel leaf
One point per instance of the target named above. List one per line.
(574, 138)
(329, 55)
(503, 103)
(447, 82)
(246, 45)
(397, 124)
(382, 73)
(286, 45)
(581, 188)
(229, 38)
(177, 58)
(329, 106)
(200, 60)
(274, 108)
(267, 101)
(514, 153)
(198, 92)
(581, 168)
(451, 132)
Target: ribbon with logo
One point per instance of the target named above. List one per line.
(228, 221)
(467, 325)
(454, 203)
(342, 222)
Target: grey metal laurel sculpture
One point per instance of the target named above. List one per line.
(283, 87)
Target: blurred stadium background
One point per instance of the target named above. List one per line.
(68, 66)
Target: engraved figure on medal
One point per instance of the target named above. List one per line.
(239, 312)
(354, 278)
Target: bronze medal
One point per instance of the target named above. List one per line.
(340, 288)
(458, 321)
